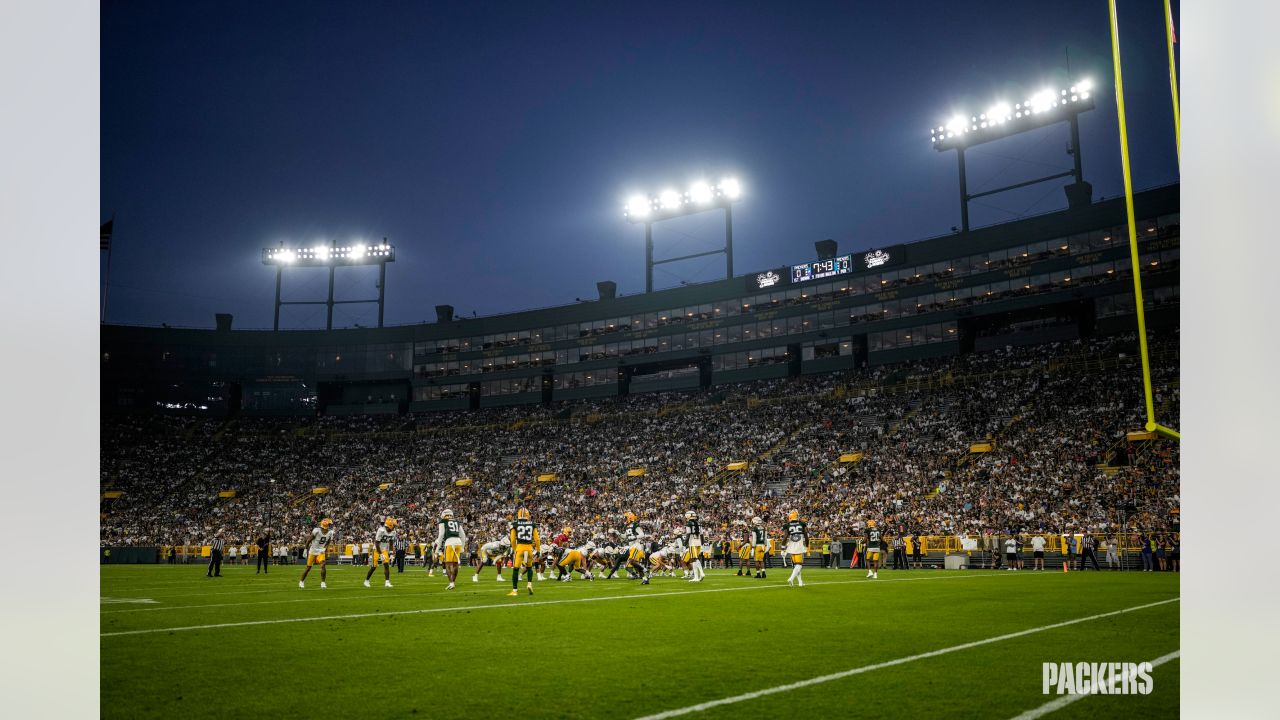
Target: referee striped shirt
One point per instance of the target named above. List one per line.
(401, 543)
(216, 544)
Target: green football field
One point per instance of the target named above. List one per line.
(912, 644)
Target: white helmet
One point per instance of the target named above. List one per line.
(756, 520)
(691, 515)
(447, 514)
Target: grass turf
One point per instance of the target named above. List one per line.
(618, 649)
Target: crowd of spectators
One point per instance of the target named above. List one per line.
(1055, 415)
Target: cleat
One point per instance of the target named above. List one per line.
(450, 587)
(386, 583)
(475, 578)
(530, 588)
(366, 583)
(540, 577)
(644, 581)
(301, 584)
(499, 578)
(323, 586)
(513, 593)
(800, 582)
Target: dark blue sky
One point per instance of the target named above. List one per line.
(494, 143)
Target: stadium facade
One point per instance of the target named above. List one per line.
(1057, 276)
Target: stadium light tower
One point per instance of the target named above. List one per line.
(669, 203)
(1002, 119)
(331, 256)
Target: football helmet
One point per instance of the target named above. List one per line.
(325, 523)
(793, 515)
(391, 522)
(630, 516)
(756, 520)
(691, 515)
(447, 514)
(522, 514)
(871, 523)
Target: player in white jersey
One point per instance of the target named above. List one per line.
(546, 554)
(383, 551)
(659, 560)
(603, 555)
(320, 539)
(496, 550)
(450, 538)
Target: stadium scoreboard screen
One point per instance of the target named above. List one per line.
(828, 268)
(819, 269)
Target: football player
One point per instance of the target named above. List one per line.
(634, 552)
(450, 538)
(693, 537)
(797, 545)
(320, 539)
(546, 554)
(498, 551)
(577, 559)
(430, 559)
(383, 540)
(744, 552)
(524, 541)
(874, 546)
(759, 545)
(602, 556)
(659, 558)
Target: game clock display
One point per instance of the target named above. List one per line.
(819, 269)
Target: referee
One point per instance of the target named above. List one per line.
(215, 558)
(401, 545)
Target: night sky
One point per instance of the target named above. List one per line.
(494, 143)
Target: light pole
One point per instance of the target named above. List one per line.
(331, 256)
(700, 196)
(1045, 107)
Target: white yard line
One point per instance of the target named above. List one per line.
(1061, 702)
(888, 663)
(633, 596)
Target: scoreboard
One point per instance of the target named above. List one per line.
(819, 269)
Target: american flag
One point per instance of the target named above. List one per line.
(105, 235)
